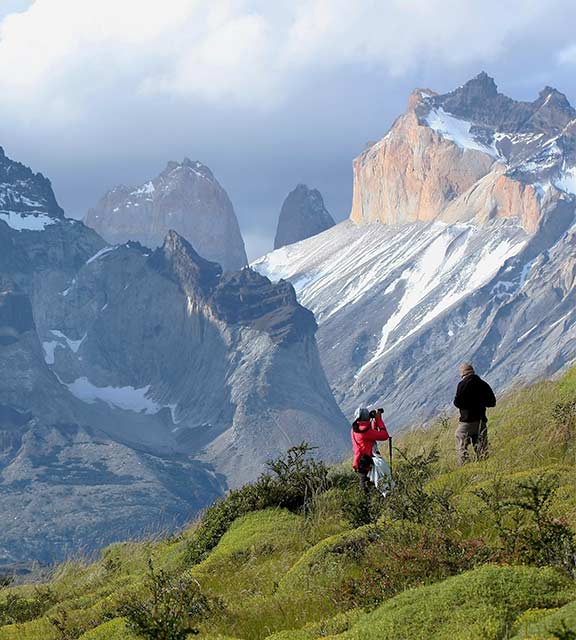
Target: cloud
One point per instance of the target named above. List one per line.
(568, 55)
(60, 59)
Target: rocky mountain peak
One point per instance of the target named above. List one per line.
(302, 216)
(470, 154)
(186, 170)
(250, 299)
(481, 86)
(27, 201)
(178, 260)
(241, 297)
(185, 197)
(418, 96)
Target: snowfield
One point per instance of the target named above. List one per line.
(375, 289)
(422, 269)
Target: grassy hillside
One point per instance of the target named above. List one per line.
(485, 551)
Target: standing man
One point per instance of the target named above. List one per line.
(472, 397)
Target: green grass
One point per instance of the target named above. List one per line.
(278, 575)
(479, 605)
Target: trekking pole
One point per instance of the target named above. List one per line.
(390, 452)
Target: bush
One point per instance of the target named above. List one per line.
(564, 422)
(292, 483)
(527, 531)
(70, 627)
(360, 507)
(410, 499)
(16, 608)
(171, 610)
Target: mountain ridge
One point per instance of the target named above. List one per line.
(451, 254)
(140, 384)
(470, 154)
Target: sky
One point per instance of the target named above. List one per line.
(96, 93)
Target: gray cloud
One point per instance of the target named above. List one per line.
(266, 94)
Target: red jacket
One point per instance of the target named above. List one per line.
(364, 439)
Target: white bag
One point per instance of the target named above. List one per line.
(380, 474)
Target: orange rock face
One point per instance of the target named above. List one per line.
(412, 174)
(416, 173)
(496, 195)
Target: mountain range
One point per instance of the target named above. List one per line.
(136, 384)
(145, 370)
(460, 246)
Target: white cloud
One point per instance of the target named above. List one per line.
(60, 57)
(568, 55)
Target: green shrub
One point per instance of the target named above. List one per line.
(171, 609)
(112, 630)
(558, 624)
(563, 422)
(362, 507)
(413, 499)
(17, 608)
(292, 483)
(527, 531)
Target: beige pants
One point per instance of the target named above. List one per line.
(475, 434)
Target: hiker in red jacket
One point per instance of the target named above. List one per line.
(366, 430)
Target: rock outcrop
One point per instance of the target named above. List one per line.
(471, 154)
(185, 197)
(302, 216)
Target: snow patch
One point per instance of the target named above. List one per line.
(145, 190)
(49, 350)
(127, 398)
(525, 335)
(567, 181)
(456, 130)
(100, 254)
(23, 222)
(67, 291)
(73, 345)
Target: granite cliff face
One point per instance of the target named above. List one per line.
(302, 216)
(471, 154)
(185, 197)
(461, 247)
(137, 385)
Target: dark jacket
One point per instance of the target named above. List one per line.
(472, 397)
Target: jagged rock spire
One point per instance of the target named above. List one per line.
(303, 215)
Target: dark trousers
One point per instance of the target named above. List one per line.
(475, 434)
(364, 467)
